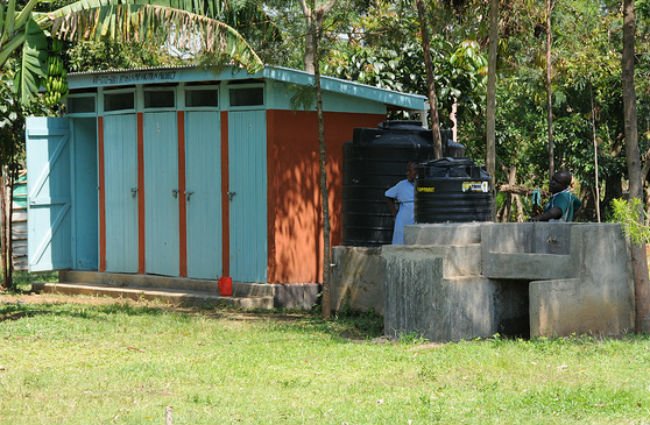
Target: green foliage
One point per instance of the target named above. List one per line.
(632, 217)
(105, 55)
(23, 32)
(383, 49)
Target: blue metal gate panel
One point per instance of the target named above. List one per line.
(85, 213)
(203, 193)
(248, 206)
(49, 194)
(121, 181)
(161, 193)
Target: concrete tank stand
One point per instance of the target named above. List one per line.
(462, 281)
(561, 278)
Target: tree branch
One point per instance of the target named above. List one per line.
(645, 164)
(327, 7)
(305, 9)
(518, 189)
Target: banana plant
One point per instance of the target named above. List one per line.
(26, 31)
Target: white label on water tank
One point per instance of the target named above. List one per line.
(475, 187)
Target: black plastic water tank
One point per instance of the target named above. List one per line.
(452, 190)
(374, 161)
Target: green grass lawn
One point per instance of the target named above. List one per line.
(123, 364)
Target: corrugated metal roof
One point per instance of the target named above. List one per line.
(146, 68)
(178, 74)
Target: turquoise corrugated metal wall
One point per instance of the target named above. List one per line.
(121, 181)
(49, 195)
(85, 210)
(203, 193)
(248, 206)
(161, 193)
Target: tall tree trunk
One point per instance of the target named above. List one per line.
(327, 253)
(512, 180)
(613, 188)
(491, 97)
(6, 284)
(431, 86)
(549, 88)
(308, 57)
(595, 140)
(10, 223)
(633, 157)
(315, 17)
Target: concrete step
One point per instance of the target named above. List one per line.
(443, 234)
(527, 266)
(457, 261)
(240, 289)
(169, 296)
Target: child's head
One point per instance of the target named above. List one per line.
(560, 181)
(411, 171)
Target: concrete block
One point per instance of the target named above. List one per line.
(534, 238)
(419, 300)
(528, 266)
(357, 279)
(443, 234)
(457, 260)
(603, 253)
(295, 296)
(564, 307)
(312, 291)
(600, 300)
(246, 290)
(289, 296)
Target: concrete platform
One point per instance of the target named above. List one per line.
(168, 296)
(163, 282)
(182, 291)
(462, 281)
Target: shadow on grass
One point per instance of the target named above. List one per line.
(346, 326)
(20, 310)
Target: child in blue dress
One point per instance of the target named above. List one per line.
(401, 199)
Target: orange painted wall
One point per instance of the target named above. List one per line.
(294, 201)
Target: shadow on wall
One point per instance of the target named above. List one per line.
(295, 213)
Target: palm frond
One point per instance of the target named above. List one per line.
(145, 20)
(25, 13)
(3, 10)
(9, 21)
(10, 46)
(33, 61)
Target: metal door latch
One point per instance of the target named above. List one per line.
(231, 195)
(188, 195)
(134, 191)
(175, 193)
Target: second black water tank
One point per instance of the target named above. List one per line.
(374, 161)
(452, 190)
